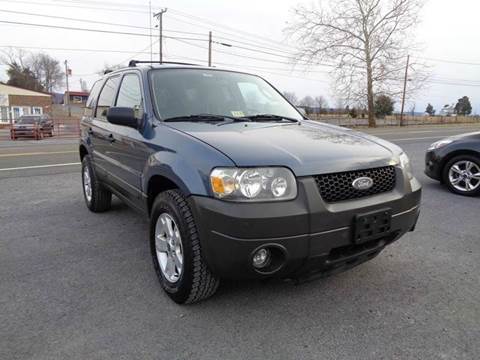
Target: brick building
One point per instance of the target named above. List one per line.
(15, 102)
(77, 98)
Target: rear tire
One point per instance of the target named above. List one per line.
(457, 176)
(97, 198)
(191, 280)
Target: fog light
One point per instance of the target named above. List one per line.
(261, 258)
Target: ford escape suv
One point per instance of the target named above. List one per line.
(236, 182)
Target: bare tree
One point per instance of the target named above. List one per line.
(47, 70)
(321, 102)
(291, 96)
(307, 101)
(13, 56)
(368, 42)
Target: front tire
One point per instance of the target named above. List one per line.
(176, 250)
(97, 198)
(462, 175)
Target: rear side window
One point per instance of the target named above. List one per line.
(130, 94)
(107, 97)
(92, 98)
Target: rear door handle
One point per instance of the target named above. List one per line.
(111, 138)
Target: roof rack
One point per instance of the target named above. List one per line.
(134, 63)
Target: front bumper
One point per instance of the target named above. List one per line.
(312, 236)
(433, 163)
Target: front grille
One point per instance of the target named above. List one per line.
(338, 186)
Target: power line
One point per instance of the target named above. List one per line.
(115, 5)
(451, 83)
(70, 49)
(209, 27)
(236, 31)
(73, 6)
(155, 53)
(246, 66)
(147, 28)
(449, 61)
(93, 30)
(95, 22)
(248, 57)
(197, 19)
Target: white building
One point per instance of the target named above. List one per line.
(15, 102)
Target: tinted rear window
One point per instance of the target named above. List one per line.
(28, 120)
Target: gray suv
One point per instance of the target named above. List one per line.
(235, 181)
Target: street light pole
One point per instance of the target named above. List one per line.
(159, 16)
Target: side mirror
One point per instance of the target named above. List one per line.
(122, 116)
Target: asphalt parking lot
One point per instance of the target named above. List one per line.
(78, 285)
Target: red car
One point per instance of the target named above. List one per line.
(32, 126)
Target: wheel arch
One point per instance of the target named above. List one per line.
(83, 151)
(456, 153)
(157, 184)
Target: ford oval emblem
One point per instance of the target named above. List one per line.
(362, 183)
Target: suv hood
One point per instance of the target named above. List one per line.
(308, 148)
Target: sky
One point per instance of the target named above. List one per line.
(447, 32)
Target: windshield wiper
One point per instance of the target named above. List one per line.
(202, 117)
(269, 117)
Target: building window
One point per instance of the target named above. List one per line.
(77, 99)
(16, 112)
(3, 114)
(37, 110)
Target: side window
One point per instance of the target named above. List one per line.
(107, 96)
(130, 94)
(92, 98)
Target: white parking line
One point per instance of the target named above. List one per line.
(39, 153)
(39, 166)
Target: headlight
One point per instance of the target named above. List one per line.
(253, 184)
(405, 164)
(439, 144)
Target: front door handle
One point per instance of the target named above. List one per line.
(111, 138)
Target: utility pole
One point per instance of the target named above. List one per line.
(159, 16)
(209, 48)
(404, 90)
(68, 90)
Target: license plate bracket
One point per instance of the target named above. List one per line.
(372, 225)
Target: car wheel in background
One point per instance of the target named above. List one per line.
(176, 250)
(97, 198)
(462, 175)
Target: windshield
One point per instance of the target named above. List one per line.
(185, 92)
(28, 120)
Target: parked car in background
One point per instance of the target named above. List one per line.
(236, 182)
(455, 162)
(32, 126)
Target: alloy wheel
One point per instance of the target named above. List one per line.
(87, 184)
(168, 246)
(464, 175)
